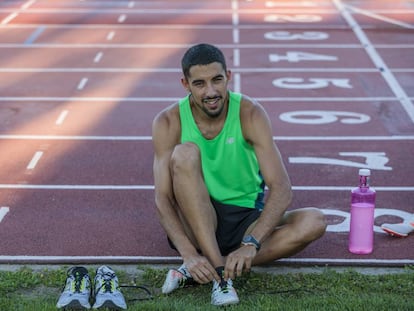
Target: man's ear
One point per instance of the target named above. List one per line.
(229, 75)
(185, 84)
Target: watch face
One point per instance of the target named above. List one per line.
(248, 239)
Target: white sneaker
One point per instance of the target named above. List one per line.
(77, 290)
(177, 279)
(400, 230)
(223, 293)
(107, 292)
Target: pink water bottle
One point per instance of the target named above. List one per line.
(361, 231)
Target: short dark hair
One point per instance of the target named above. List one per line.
(201, 54)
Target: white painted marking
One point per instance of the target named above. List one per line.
(287, 35)
(236, 57)
(373, 160)
(131, 4)
(236, 36)
(122, 18)
(9, 18)
(235, 14)
(151, 187)
(377, 60)
(237, 82)
(174, 70)
(3, 212)
(272, 4)
(62, 117)
(110, 35)
(28, 4)
(145, 100)
(381, 18)
(174, 259)
(35, 160)
(168, 46)
(13, 15)
(323, 117)
(98, 57)
(144, 138)
(78, 187)
(82, 83)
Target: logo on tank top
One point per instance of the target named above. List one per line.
(230, 140)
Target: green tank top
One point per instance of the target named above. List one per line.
(229, 164)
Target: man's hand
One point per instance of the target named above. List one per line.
(200, 269)
(238, 261)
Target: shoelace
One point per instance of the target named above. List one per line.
(78, 278)
(223, 287)
(107, 282)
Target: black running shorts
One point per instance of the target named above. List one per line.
(232, 223)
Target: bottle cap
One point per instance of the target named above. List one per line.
(364, 172)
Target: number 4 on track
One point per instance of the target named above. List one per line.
(295, 57)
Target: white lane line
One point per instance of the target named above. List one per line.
(82, 84)
(236, 36)
(122, 18)
(386, 73)
(131, 4)
(172, 45)
(175, 259)
(174, 70)
(98, 57)
(28, 4)
(62, 117)
(380, 17)
(145, 100)
(3, 212)
(236, 57)
(13, 15)
(237, 82)
(9, 18)
(110, 35)
(147, 138)
(32, 164)
(151, 187)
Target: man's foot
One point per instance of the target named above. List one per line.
(77, 290)
(400, 230)
(107, 292)
(177, 279)
(223, 293)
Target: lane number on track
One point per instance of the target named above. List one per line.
(287, 35)
(373, 160)
(323, 117)
(310, 83)
(299, 18)
(297, 56)
(345, 217)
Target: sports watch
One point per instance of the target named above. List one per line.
(250, 240)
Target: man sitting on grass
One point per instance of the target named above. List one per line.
(214, 155)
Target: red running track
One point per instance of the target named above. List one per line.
(80, 83)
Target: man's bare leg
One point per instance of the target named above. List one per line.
(194, 201)
(299, 228)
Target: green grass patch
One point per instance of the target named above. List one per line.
(30, 290)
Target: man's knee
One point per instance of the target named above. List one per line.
(315, 223)
(185, 157)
